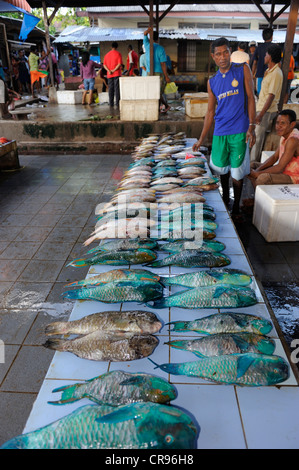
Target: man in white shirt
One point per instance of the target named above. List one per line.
(240, 56)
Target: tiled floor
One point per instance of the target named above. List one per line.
(47, 211)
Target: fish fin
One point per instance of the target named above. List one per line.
(244, 362)
(157, 303)
(177, 344)
(179, 325)
(155, 364)
(63, 402)
(75, 283)
(240, 342)
(164, 281)
(56, 328)
(78, 262)
(53, 344)
(71, 294)
(122, 414)
(220, 290)
(133, 381)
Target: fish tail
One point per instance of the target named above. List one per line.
(90, 240)
(67, 396)
(56, 344)
(177, 344)
(18, 442)
(179, 325)
(174, 369)
(78, 262)
(73, 294)
(165, 281)
(155, 364)
(154, 264)
(57, 328)
(160, 303)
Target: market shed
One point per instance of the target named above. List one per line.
(152, 9)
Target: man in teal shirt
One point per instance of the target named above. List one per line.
(160, 66)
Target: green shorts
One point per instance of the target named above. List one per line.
(230, 153)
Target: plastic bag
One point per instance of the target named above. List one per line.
(170, 88)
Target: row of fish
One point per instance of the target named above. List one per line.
(153, 181)
(133, 410)
(108, 336)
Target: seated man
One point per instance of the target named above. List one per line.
(283, 166)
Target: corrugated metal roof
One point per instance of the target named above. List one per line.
(94, 34)
(185, 7)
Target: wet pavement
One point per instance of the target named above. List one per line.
(47, 212)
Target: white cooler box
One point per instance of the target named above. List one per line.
(139, 110)
(196, 104)
(276, 212)
(69, 96)
(139, 88)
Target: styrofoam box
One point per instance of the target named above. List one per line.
(139, 110)
(276, 212)
(103, 97)
(139, 88)
(196, 104)
(266, 154)
(69, 96)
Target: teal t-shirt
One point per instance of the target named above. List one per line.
(159, 55)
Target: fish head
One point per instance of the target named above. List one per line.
(161, 391)
(261, 325)
(166, 427)
(270, 369)
(149, 323)
(143, 344)
(263, 344)
(244, 295)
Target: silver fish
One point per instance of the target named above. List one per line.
(99, 346)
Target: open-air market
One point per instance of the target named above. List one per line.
(149, 185)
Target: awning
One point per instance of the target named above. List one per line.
(15, 3)
(29, 20)
(81, 34)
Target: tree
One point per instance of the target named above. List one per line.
(63, 18)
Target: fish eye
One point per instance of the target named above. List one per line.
(169, 439)
(275, 371)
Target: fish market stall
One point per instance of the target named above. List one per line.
(193, 319)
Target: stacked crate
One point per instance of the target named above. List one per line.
(139, 98)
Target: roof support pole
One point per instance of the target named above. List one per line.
(47, 22)
(151, 23)
(288, 48)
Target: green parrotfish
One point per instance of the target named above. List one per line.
(134, 426)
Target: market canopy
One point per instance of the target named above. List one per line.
(29, 20)
(77, 34)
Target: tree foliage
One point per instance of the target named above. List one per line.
(64, 17)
